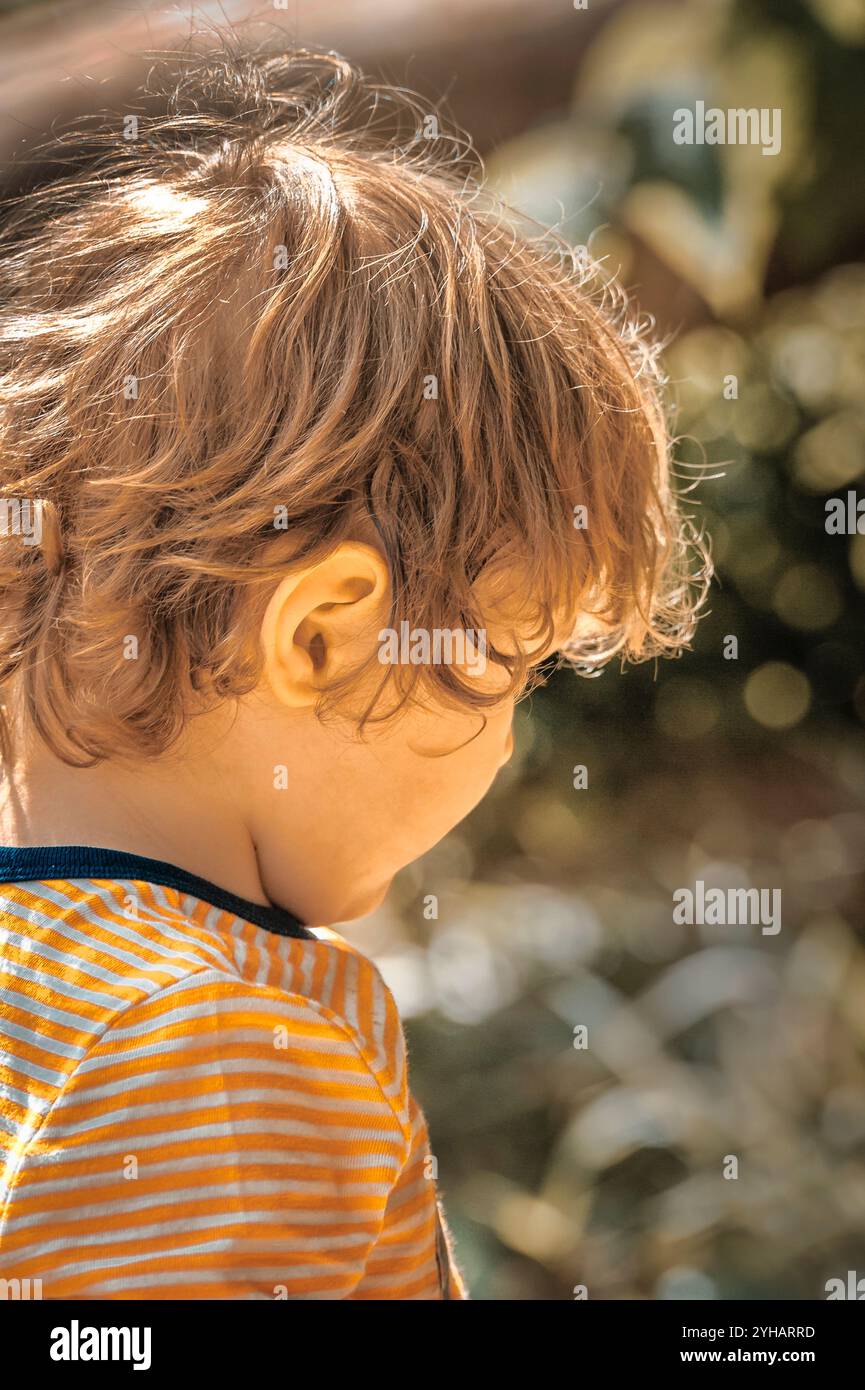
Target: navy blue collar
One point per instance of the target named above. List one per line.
(41, 863)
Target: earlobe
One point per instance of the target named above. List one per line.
(322, 618)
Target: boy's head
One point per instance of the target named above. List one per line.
(326, 456)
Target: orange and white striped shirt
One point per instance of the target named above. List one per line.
(200, 1098)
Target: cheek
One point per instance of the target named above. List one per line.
(460, 766)
(509, 744)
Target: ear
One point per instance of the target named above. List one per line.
(323, 619)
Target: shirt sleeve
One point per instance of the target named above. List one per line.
(222, 1139)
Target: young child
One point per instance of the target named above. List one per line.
(308, 459)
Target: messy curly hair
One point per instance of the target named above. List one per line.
(274, 310)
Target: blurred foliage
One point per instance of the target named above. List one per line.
(604, 1166)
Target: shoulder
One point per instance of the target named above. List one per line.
(345, 988)
(233, 1102)
(313, 1014)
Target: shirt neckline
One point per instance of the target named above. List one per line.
(40, 863)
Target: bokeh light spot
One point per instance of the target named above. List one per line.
(777, 695)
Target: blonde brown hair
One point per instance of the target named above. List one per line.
(280, 313)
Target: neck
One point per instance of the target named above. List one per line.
(172, 809)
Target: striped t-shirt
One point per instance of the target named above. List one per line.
(200, 1098)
